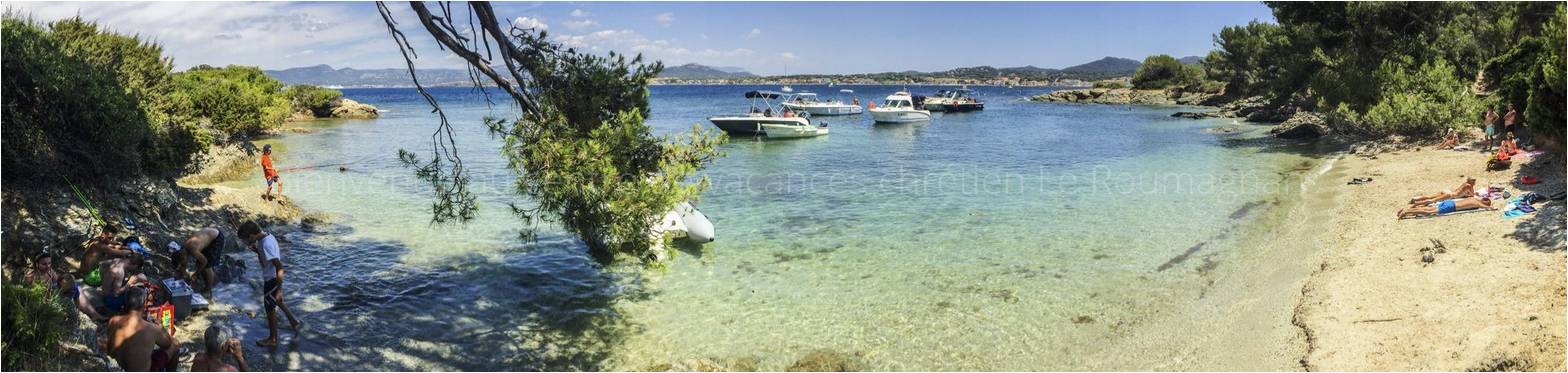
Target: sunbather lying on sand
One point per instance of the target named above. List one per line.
(1464, 190)
(1446, 206)
(1449, 141)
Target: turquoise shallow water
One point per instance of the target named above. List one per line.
(1027, 236)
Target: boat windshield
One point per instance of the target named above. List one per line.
(896, 103)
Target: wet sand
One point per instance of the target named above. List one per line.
(1492, 299)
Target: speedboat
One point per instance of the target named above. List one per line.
(753, 122)
(774, 130)
(899, 108)
(954, 101)
(810, 103)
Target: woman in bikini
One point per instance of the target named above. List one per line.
(1464, 190)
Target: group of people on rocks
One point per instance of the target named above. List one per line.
(114, 288)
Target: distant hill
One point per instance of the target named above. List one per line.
(695, 71)
(1191, 60)
(1106, 66)
(324, 75)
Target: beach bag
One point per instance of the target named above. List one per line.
(163, 315)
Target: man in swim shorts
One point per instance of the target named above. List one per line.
(1447, 206)
(267, 251)
(1464, 190)
(99, 248)
(203, 250)
(138, 345)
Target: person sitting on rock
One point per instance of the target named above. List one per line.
(99, 248)
(1467, 189)
(42, 272)
(119, 276)
(1444, 207)
(219, 345)
(138, 345)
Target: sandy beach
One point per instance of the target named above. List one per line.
(1491, 299)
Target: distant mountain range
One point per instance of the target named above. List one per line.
(695, 71)
(1104, 68)
(1191, 60)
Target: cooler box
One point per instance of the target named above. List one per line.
(180, 296)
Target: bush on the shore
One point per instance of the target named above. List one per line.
(236, 99)
(1422, 100)
(1160, 71)
(316, 100)
(36, 322)
(85, 102)
(1381, 61)
(1111, 84)
(94, 105)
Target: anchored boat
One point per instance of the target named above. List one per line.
(764, 120)
(899, 108)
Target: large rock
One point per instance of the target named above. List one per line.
(827, 361)
(1109, 96)
(350, 109)
(1302, 125)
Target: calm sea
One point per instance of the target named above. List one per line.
(1027, 236)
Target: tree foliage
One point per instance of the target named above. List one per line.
(317, 100)
(94, 105)
(1400, 67)
(1159, 71)
(582, 153)
(235, 99)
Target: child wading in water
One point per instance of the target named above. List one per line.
(271, 257)
(268, 173)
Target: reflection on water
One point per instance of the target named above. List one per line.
(1027, 236)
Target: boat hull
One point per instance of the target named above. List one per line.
(753, 125)
(955, 108)
(793, 131)
(827, 109)
(899, 116)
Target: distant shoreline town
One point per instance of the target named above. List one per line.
(1083, 75)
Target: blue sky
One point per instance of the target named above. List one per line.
(767, 38)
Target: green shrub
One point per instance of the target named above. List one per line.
(305, 97)
(85, 102)
(36, 322)
(1162, 71)
(1422, 101)
(236, 99)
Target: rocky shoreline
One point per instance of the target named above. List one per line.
(1294, 123)
(1130, 96)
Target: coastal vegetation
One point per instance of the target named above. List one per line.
(1385, 68)
(581, 151)
(94, 105)
(35, 325)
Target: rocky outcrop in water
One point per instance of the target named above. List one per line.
(1302, 125)
(350, 109)
(827, 361)
(1251, 109)
(1131, 96)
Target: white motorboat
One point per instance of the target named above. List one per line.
(773, 130)
(811, 103)
(899, 108)
(752, 123)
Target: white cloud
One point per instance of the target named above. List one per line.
(530, 23)
(754, 33)
(703, 36)
(579, 13)
(579, 24)
(789, 55)
(665, 18)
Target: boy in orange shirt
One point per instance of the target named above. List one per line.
(269, 173)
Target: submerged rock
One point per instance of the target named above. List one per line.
(825, 360)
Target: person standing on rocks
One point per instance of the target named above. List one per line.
(269, 173)
(267, 251)
(201, 251)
